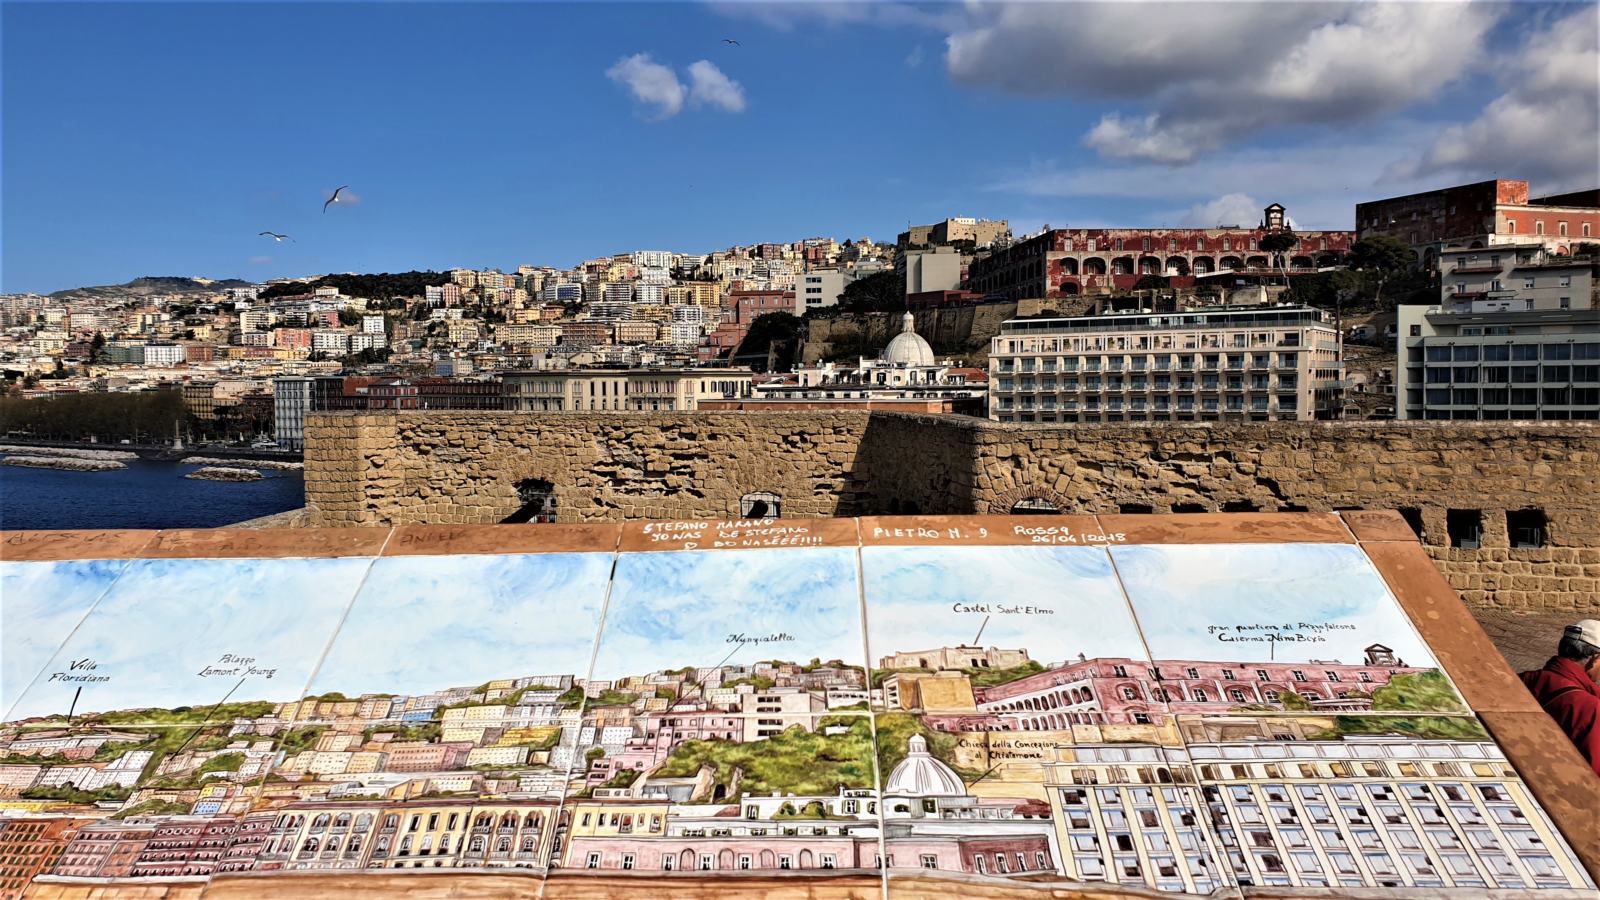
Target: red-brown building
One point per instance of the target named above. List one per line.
(185, 845)
(1066, 262)
(1480, 215)
(30, 847)
(104, 849)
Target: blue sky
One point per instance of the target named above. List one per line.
(1180, 593)
(669, 610)
(40, 604)
(145, 138)
(912, 593)
(166, 620)
(425, 623)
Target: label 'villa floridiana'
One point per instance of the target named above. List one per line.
(80, 670)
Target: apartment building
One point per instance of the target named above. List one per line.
(1516, 335)
(1373, 811)
(622, 390)
(1262, 363)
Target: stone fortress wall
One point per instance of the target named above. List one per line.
(383, 468)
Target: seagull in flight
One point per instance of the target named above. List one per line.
(280, 238)
(731, 41)
(334, 198)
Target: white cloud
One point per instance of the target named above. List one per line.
(914, 58)
(1210, 74)
(1545, 126)
(708, 86)
(1229, 209)
(650, 83)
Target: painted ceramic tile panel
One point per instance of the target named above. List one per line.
(40, 604)
(729, 694)
(1343, 801)
(174, 637)
(459, 677)
(1278, 629)
(1001, 673)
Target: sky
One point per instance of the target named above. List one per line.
(164, 621)
(426, 623)
(912, 593)
(160, 138)
(1181, 593)
(670, 610)
(40, 604)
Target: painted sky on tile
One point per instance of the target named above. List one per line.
(1187, 598)
(669, 610)
(424, 623)
(912, 593)
(40, 604)
(165, 620)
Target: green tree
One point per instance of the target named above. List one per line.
(349, 317)
(1151, 282)
(1384, 257)
(777, 328)
(878, 292)
(97, 347)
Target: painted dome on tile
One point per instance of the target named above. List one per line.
(920, 775)
(908, 347)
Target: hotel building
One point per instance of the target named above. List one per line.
(1516, 335)
(1262, 364)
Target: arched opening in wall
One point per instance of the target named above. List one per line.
(1034, 506)
(1527, 528)
(538, 499)
(1189, 508)
(760, 505)
(1413, 517)
(1135, 508)
(1094, 265)
(1240, 506)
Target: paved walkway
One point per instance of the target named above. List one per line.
(1525, 639)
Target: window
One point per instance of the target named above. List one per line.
(1526, 527)
(1413, 517)
(929, 861)
(1538, 226)
(760, 505)
(1465, 528)
(593, 862)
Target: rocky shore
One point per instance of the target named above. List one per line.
(225, 473)
(65, 463)
(66, 452)
(234, 463)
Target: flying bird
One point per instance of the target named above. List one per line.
(280, 238)
(731, 41)
(334, 198)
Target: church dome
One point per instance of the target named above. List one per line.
(920, 775)
(908, 347)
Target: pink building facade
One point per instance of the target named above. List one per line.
(1127, 691)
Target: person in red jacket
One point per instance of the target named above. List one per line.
(1566, 688)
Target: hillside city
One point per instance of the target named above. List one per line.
(770, 766)
(1476, 301)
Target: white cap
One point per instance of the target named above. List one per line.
(1587, 630)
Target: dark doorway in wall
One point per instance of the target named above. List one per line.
(1527, 528)
(1189, 507)
(1135, 508)
(1034, 506)
(1413, 517)
(760, 505)
(1465, 527)
(1240, 506)
(538, 499)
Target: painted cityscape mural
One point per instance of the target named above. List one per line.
(1176, 717)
